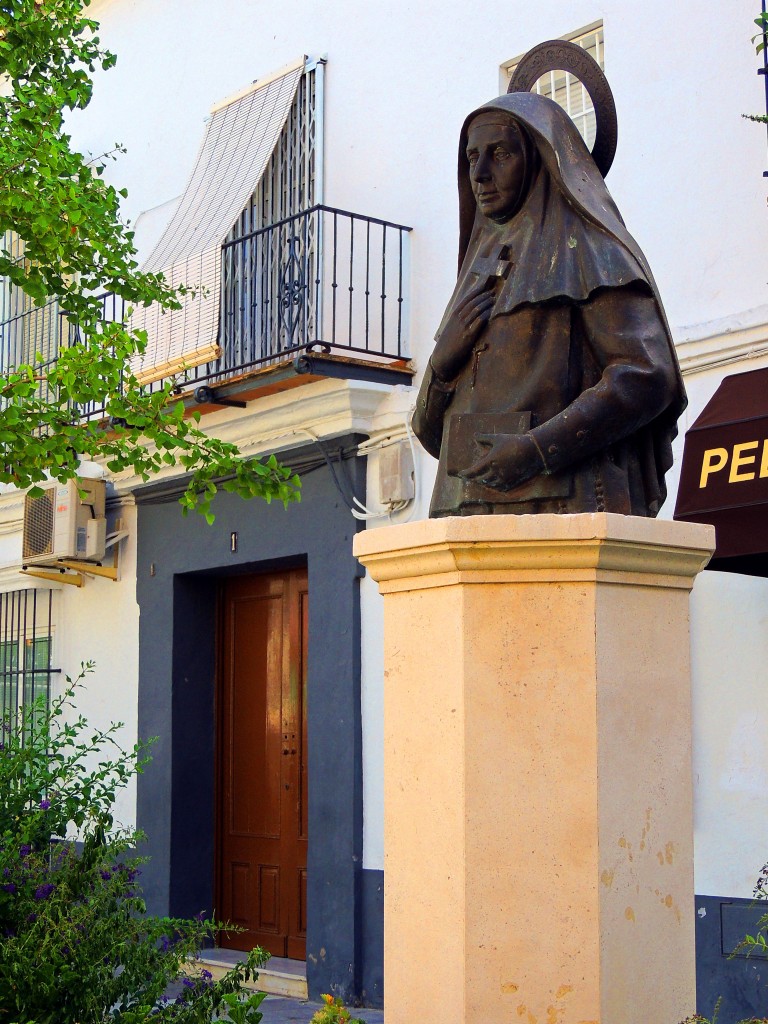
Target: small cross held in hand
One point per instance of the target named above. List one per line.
(497, 265)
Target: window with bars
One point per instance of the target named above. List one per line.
(235, 236)
(264, 274)
(26, 649)
(566, 90)
(29, 333)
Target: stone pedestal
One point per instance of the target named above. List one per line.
(538, 798)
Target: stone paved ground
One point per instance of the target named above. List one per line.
(280, 1010)
(277, 1010)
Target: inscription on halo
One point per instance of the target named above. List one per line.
(561, 55)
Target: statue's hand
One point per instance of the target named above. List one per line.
(511, 460)
(455, 342)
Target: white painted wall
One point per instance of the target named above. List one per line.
(99, 623)
(729, 651)
(401, 77)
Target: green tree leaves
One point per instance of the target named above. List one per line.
(76, 247)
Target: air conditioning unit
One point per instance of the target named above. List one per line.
(65, 521)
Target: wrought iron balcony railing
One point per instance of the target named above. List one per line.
(324, 279)
(323, 276)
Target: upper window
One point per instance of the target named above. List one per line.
(260, 164)
(257, 165)
(273, 242)
(563, 88)
(29, 333)
(269, 270)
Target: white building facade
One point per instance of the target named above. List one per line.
(186, 641)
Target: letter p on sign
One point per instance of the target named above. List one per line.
(713, 461)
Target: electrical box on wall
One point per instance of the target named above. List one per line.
(66, 521)
(396, 481)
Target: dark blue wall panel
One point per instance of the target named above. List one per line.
(371, 932)
(180, 563)
(741, 982)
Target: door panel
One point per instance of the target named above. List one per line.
(262, 763)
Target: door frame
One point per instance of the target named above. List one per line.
(179, 561)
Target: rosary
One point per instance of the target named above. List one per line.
(485, 269)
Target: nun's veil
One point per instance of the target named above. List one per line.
(566, 238)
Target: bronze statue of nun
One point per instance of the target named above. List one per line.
(553, 385)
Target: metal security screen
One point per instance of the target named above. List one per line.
(25, 650)
(29, 334)
(268, 296)
(240, 137)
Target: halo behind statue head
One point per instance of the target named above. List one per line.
(560, 55)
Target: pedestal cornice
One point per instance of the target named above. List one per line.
(596, 547)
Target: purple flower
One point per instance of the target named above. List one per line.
(31, 918)
(42, 892)
(187, 982)
(25, 850)
(206, 975)
(8, 887)
(106, 875)
(44, 805)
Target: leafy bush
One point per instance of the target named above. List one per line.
(76, 943)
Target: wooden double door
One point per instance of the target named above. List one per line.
(262, 762)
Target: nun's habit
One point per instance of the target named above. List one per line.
(577, 342)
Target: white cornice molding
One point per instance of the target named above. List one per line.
(391, 422)
(734, 339)
(289, 419)
(324, 409)
(328, 408)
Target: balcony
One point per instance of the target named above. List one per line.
(319, 294)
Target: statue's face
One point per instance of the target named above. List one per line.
(496, 167)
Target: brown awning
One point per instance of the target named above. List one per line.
(724, 476)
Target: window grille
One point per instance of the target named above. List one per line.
(268, 282)
(240, 136)
(29, 333)
(26, 648)
(566, 90)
